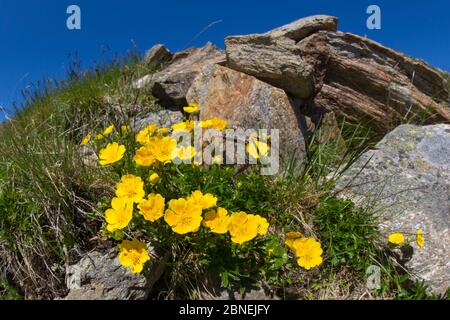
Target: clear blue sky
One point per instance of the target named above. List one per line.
(35, 43)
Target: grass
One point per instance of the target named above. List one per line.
(48, 197)
(51, 202)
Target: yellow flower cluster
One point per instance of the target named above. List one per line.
(129, 190)
(189, 214)
(159, 149)
(307, 250)
(184, 215)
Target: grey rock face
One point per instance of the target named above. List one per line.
(409, 174)
(276, 61)
(172, 83)
(157, 55)
(100, 277)
(163, 119)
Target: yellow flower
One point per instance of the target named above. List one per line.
(196, 163)
(153, 208)
(183, 216)
(291, 237)
(263, 225)
(108, 130)
(243, 227)
(309, 252)
(131, 187)
(99, 136)
(124, 128)
(143, 137)
(86, 140)
(162, 130)
(186, 126)
(217, 220)
(158, 148)
(204, 201)
(120, 214)
(217, 159)
(419, 238)
(192, 108)
(396, 238)
(184, 153)
(133, 254)
(144, 156)
(112, 153)
(154, 178)
(162, 148)
(219, 124)
(206, 124)
(258, 149)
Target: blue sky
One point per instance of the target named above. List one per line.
(35, 43)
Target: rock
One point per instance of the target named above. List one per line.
(364, 82)
(304, 27)
(163, 119)
(157, 55)
(88, 155)
(408, 175)
(211, 289)
(172, 83)
(100, 277)
(273, 56)
(276, 61)
(249, 103)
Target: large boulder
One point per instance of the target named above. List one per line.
(407, 176)
(249, 103)
(365, 82)
(276, 61)
(172, 83)
(274, 58)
